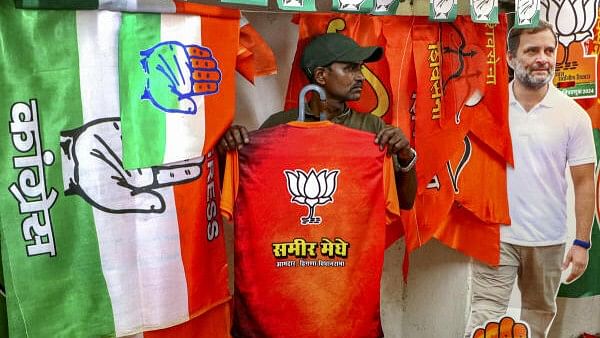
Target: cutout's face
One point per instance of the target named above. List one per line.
(535, 59)
(343, 81)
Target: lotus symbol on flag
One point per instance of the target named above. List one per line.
(528, 9)
(483, 9)
(573, 20)
(311, 189)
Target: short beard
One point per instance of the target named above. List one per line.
(529, 80)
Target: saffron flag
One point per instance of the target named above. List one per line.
(475, 180)
(88, 247)
(309, 228)
(463, 72)
(462, 124)
(255, 57)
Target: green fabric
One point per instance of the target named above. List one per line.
(589, 283)
(3, 313)
(134, 36)
(57, 4)
(60, 295)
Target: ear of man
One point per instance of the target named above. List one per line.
(320, 75)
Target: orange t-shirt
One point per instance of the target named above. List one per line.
(310, 202)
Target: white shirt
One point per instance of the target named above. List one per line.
(554, 133)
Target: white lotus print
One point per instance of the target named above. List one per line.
(311, 189)
(573, 20)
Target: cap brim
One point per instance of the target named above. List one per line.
(362, 54)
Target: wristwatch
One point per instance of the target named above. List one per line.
(583, 244)
(409, 166)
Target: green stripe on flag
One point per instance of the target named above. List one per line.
(587, 285)
(3, 313)
(57, 4)
(48, 295)
(139, 32)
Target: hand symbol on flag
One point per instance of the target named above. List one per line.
(175, 73)
(93, 169)
(350, 5)
(506, 328)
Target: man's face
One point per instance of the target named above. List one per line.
(343, 81)
(535, 59)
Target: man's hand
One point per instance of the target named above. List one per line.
(506, 328)
(578, 258)
(393, 138)
(234, 138)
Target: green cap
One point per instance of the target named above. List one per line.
(334, 47)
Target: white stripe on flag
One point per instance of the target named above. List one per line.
(158, 6)
(184, 133)
(140, 253)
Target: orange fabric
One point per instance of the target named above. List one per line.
(216, 323)
(454, 58)
(461, 88)
(464, 94)
(220, 31)
(464, 232)
(202, 239)
(390, 97)
(476, 177)
(490, 121)
(255, 57)
(288, 296)
(471, 201)
(481, 184)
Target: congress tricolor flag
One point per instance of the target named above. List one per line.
(88, 247)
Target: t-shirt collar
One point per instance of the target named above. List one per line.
(548, 101)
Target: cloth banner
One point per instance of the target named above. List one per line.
(586, 285)
(386, 96)
(177, 80)
(461, 91)
(88, 247)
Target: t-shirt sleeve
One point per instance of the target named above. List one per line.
(230, 185)
(581, 148)
(391, 194)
